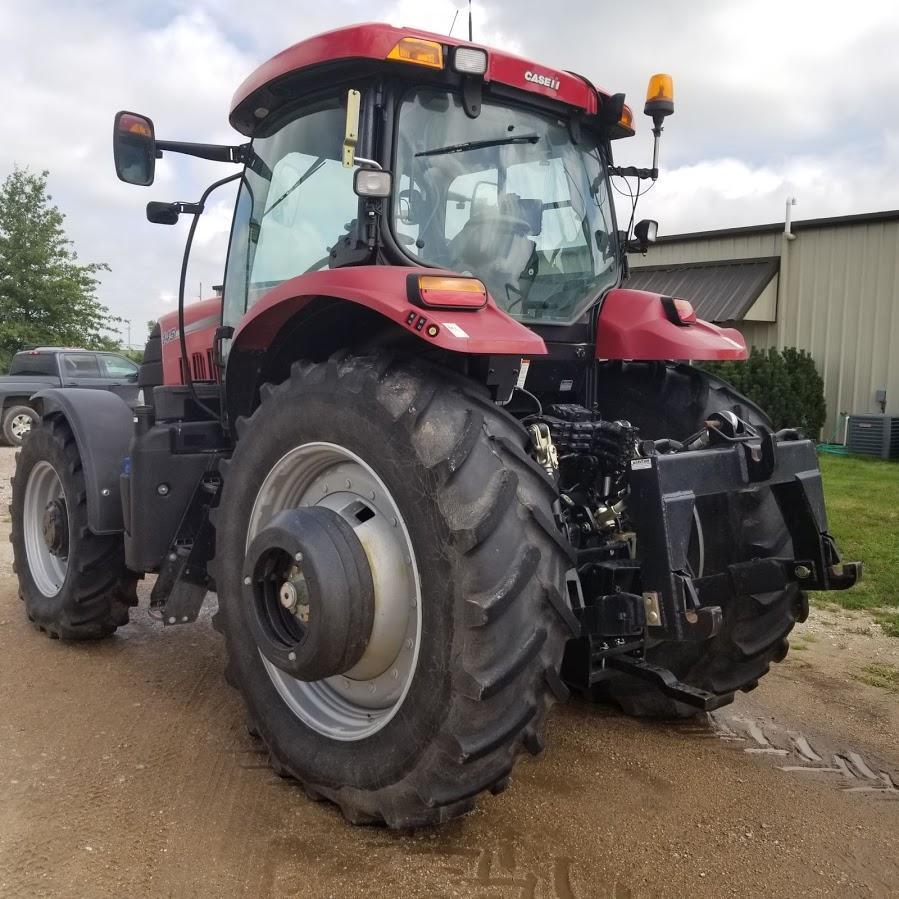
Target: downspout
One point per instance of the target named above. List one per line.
(783, 275)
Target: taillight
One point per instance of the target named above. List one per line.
(679, 312)
(445, 292)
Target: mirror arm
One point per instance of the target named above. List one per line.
(214, 152)
(630, 171)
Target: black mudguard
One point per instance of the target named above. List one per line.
(102, 424)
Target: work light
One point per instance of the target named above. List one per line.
(371, 183)
(470, 60)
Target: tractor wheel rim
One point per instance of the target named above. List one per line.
(358, 703)
(43, 490)
(21, 425)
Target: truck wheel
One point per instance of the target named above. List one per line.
(675, 401)
(454, 677)
(17, 423)
(74, 584)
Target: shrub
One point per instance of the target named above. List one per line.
(785, 384)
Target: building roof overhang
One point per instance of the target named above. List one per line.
(722, 291)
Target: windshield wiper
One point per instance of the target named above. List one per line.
(481, 144)
(302, 179)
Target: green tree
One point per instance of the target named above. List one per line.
(785, 384)
(46, 295)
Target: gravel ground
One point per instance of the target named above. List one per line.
(125, 770)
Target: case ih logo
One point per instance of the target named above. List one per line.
(542, 80)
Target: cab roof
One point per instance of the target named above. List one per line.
(260, 94)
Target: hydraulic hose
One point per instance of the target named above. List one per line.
(188, 377)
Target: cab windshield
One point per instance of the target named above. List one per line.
(509, 197)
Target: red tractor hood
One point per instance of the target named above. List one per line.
(382, 288)
(633, 325)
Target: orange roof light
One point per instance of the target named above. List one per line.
(659, 97)
(626, 119)
(418, 51)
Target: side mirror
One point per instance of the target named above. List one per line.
(134, 148)
(645, 233)
(351, 131)
(163, 213)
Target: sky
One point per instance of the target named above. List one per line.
(774, 98)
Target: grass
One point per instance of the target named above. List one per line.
(863, 511)
(884, 676)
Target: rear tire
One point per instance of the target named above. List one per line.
(675, 401)
(490, 564)
(17, 424)
(80, 589)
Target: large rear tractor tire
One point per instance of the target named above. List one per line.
(461, 664)
(675, 401)
(74, 584)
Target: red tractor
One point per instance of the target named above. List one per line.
(438, 465)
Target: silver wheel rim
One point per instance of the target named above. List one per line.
(47, 571)
(20, 425)
(358, 703)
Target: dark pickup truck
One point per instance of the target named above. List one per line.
(34, 370)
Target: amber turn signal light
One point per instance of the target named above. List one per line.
(419, 52)
(446, 292)
(626, 119)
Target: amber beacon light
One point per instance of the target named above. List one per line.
(659, 98)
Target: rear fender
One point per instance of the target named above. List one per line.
(633, 325)
(486, 331)
(102, 424)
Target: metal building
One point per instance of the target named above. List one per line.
(830, 286)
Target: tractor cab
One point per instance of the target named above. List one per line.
(492, 168)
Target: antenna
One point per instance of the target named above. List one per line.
(469, 21)
(455, 16)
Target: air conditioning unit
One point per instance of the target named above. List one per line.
(874, 435)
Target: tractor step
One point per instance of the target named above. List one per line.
(667, 683)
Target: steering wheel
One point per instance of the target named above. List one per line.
(316, 266)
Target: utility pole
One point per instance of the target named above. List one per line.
(128, 323)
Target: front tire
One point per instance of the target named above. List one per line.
(490, 623)
(74, 583)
